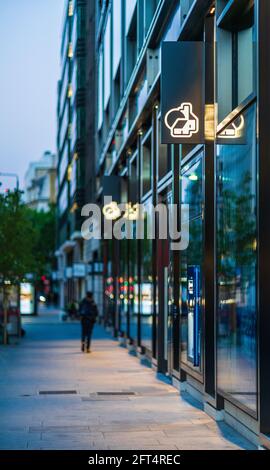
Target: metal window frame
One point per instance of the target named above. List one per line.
(263, 71)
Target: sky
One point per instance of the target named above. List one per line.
(30, 39)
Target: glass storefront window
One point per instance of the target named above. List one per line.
(191, 267)
(63, 127)
(133, 286)
(100, 89)
(173, 28)
(133, 254)
(245, 79)
(237, 262)
(163, 165)
(149, 13)
(74, 31)
(73, 179)
(192, 188)
(130, 7)
(74, 128)
(64, 84)
(74, 81)
(123, 291)
(109, 298)
(63, 164)
(147, 292)
(123, 286)
(107, 62)
(235, 59)
(63, 199)
(64, 43)
(146, 164)
(142, 94)
(117, 34)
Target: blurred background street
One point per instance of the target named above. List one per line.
(134, 191)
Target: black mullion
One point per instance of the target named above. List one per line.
(209, 278)
(234, 70)
(263, 10)
(138, 242)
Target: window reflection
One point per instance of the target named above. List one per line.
(107, 62)
(163, 156)
(147, 300)
(130, 7)
(109, 297)
(117, 34)
(133, 285)
(146, 165)
(191, 268)
(123, 286)
(63, 199)
(236, 266)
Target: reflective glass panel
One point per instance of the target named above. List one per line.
(237, 261)
(107, 62)
(123, 286)
(146, 165)
(130, 6)
(191, 267)
(117, 34)
(147, 292)
(133, 286)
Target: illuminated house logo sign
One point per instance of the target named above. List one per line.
(234, 130)
(182, 122)
(183, 92)
(111, 211)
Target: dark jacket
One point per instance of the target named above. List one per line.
(88, 310)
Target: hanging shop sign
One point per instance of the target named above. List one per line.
(182, 93)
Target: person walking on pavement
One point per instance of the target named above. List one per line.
(88, 313)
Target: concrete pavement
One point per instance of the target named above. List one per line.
(54, 397)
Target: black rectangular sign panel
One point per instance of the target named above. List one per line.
(182, 92)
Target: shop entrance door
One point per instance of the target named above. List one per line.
(170, 310)
(191, 262)
(170, 319)
(166, 305)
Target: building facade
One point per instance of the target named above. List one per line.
(199, 315)
(76, 144)
(40, 183)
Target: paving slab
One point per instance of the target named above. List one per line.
(48, 359)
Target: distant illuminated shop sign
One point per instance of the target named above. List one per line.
(182, 93)
(233, 133)
(27, 298)
(79, 270)
(113, 211)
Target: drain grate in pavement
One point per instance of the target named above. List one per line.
(57, 392)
